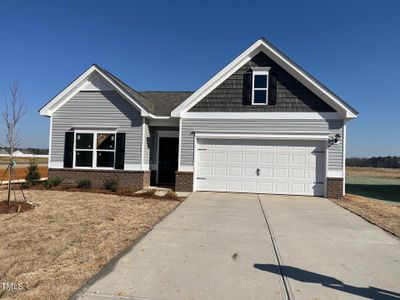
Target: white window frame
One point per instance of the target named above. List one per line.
(94, 149)
(253, 88)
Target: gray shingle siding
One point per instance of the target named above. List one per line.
(92, 110)
(335, 152)
(291, 96)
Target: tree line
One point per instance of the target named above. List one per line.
(374, 162)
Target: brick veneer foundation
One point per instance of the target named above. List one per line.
(184, 181)
(335, 188)
(132, 179)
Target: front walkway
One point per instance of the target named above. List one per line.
(219, 246)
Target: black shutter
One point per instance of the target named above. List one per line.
(68, 149)
(247, 88)
(272, 89)
(120, 151)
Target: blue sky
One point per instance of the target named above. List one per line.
(352, 46)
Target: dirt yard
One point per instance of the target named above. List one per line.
(20, 171)
(55, 248)
(380, 213)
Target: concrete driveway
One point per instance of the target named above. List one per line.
(246, 246)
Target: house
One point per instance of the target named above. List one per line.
(3, 152)
(260, 125)
(25, 154)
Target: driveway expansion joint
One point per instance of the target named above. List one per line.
(286, 285)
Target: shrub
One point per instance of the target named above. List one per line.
(148, 193)
(171, 195)
(111, 184)
(32, 173)
(52, 182)
(126, 191)
(84, 183)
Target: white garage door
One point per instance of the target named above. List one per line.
(261, 166)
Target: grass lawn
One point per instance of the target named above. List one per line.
(374, 194)
(54, 249)
(377, 183)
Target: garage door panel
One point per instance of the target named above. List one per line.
(220, 171)
(235, 171)
(284, 167)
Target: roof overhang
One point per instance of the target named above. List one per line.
(261, 45)
(73, 88)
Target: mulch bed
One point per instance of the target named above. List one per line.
(14, 207)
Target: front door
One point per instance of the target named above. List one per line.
(167, 159)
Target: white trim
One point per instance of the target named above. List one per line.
(344, 157)
(263, 115)
(279, 58)
(143, 134)
(326, 167)
(179, 144)
(257, 136)
(255, 72)
(335, 174)
(164, 133)
(93, 150)
(195, 158)
(74, 88)
(50, 139)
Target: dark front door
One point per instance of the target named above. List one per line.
(167, 159)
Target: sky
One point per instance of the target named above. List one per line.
(352, 46)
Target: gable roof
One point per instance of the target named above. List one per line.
(262, 45)
(150, 103)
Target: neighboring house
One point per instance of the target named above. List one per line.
(3, 152)
(19, 153)
(261, 125)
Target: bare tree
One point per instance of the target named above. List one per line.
(14, 110)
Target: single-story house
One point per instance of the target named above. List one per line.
(260, 125)
(19, 153)
(3, 152)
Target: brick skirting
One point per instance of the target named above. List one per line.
(335, 188)
(184, 181)
(132, 179)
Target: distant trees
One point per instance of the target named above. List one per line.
(374, 162)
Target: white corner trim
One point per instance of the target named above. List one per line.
(335, 174)
(50, 141)
(143, 138)
(262, 136)
(278, 57)
(179, 143)
(75, 87)
(344, 157)
(263, 115)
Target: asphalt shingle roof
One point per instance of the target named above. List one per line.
(160, 103)
(166, 101)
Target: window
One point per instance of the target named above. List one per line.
(260, 87)
(94, 149)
